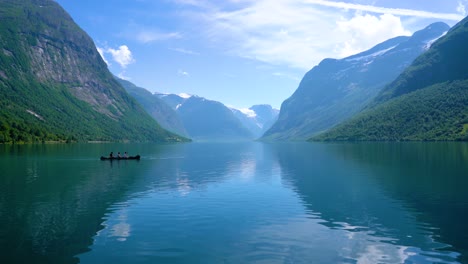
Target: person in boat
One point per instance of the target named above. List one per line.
(125, 155)
(118, 155)
(111, 155)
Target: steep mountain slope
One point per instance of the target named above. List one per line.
(55, 86)
(173, 100)
(335, 90)
(207, 120)
(428, 101)
(445, 61)
(257, 119)
(157, 108)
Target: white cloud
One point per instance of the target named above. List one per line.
(291, 33)
(148, 36)
(123, 56)
(461, 8)
(123, 77)
(185, 51)
(277, 33)
(287, 76)
(183, 73)
(364, 31)
(300, 33)
(384, 10)
(195, 3)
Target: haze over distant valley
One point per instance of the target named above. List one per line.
(230, 77)
(199, 96)
(243, 53)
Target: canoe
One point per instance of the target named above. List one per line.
(137, 157)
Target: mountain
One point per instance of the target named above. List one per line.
(174, 100)
(257, 119)
(335, 90)
(428, 101)
(157, 108)
(207, 120)
(55, 86)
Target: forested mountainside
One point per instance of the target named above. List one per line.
(156, 107)
(335, 90)
(54, 86)
(428, 101)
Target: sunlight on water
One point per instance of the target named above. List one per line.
(238, 203)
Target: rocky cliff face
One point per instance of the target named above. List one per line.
(50, 67)
(62, 53)
(335, 90)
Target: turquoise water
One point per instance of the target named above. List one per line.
(235, 203)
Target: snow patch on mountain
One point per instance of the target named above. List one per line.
(248, 112)
(430, 42)
(371, 56)
(185, 95)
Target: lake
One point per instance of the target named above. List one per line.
(235, 203)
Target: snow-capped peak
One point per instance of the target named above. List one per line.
(185, 95)
(248, 112)
(245, 111)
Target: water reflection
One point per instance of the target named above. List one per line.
(53, 198)
(203, 201)
(430, 179)
(194, 166)
(372, 187)
(235, 203)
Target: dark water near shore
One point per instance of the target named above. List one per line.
(235, 203)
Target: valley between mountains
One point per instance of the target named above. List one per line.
(55, 87)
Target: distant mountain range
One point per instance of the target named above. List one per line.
(335, 90)
(54, 85)
(428, 101)
(258, 118)
(165, 115)
(201, 119)
(208, 120)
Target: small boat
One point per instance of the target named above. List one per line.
(137, 157)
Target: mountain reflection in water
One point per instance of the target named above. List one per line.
(235, 203)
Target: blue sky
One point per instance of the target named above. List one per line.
(243, 52)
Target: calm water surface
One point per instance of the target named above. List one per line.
(235, 203)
